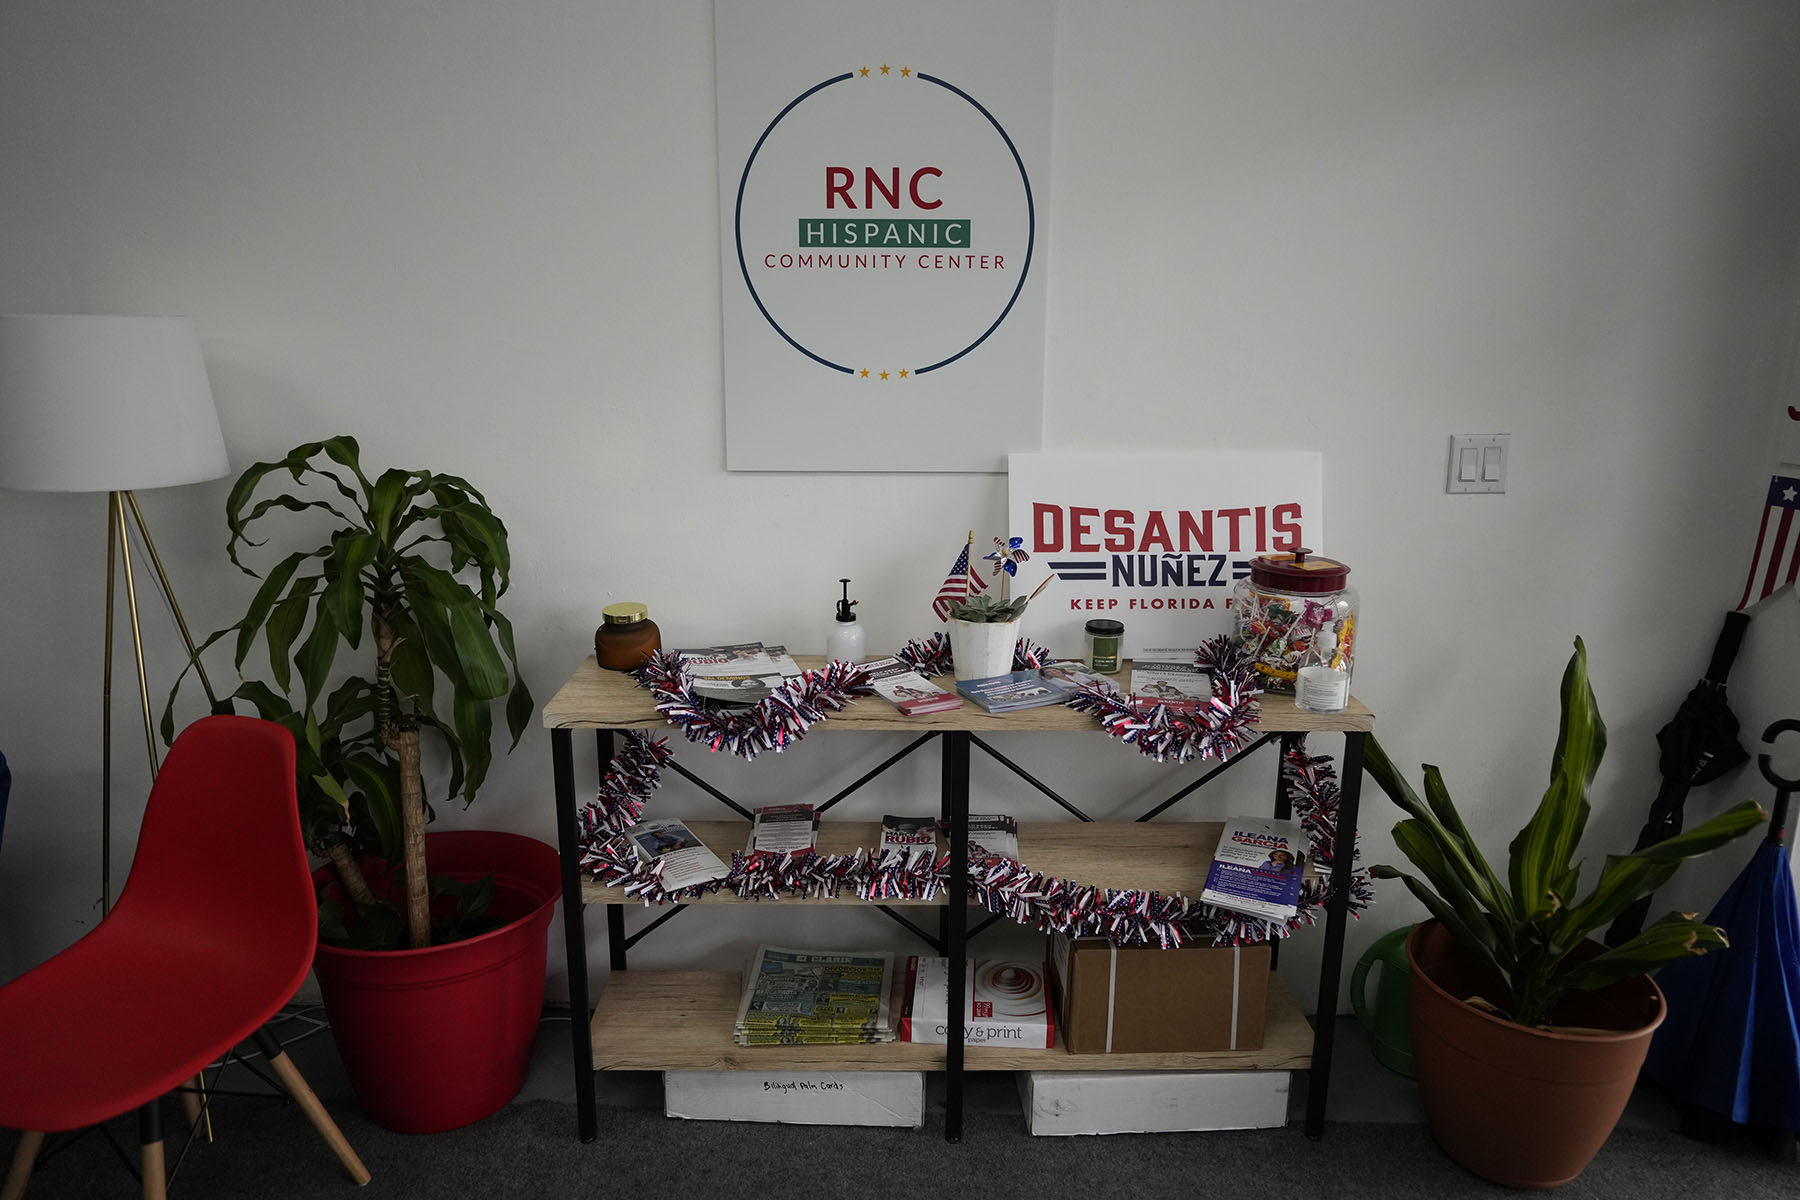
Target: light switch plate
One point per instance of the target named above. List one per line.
(1478, 462)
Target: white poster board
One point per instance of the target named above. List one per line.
(882, 170)
(1155, 541)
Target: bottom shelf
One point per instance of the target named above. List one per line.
(682, 1021)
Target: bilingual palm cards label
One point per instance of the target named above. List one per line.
(1257, 868)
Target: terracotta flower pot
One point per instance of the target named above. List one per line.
(1528, 1108)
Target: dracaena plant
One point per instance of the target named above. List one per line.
(408, 579)
(1528, 926)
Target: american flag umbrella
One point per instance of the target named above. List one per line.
(1730, 1046)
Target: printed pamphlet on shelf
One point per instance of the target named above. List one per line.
(1005, 693)
(744, 673)
(1257, 868)
(686, 860)
(783, 829)
(907, 690)
(1170, 677)
(1071, 675)
(1006, 1002)
(916, 837)
(807, 996)
(992, 836)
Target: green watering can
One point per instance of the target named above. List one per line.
(1388, 1020)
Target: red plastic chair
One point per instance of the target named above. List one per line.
(212, 934)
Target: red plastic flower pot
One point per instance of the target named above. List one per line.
(438, 1038)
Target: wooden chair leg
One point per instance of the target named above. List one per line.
(296, 1084)
(150, 1152)
(19, 1174)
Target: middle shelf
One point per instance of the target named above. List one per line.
(1162, 856)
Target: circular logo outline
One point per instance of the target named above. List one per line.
(737, 223)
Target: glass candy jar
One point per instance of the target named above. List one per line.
(1296, 618)
(626, 636)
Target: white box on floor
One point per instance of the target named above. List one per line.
(797, 1097)
(1058, 1103)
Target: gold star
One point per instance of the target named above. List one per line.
(884, 374)
(865, 372)
(865, 72)
(905, 72)
(904, 374)
(884, 69)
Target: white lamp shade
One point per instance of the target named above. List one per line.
(105, 404)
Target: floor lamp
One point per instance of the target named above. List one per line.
(114, 405)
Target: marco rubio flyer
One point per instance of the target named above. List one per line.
(1155, 541)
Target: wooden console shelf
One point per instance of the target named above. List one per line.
(682, 1020)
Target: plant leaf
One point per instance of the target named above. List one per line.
(1542, 851)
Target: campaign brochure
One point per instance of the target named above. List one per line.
(1257, 868)
(1170, 677)
(685, 859)
(916, 837)
(1071, 675)
(1005, 1002)
(907, 690)
(783, 829)
(992, 836)
(745, 673)
(1006, 693)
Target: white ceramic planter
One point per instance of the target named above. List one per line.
(982, 648)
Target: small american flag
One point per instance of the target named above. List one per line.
(1777, 560)
(960, 584)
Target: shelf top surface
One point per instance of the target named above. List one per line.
(597, 699)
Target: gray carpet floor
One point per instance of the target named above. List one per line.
(1374, 1146)
(267, 1151)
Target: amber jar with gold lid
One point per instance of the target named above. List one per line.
(626, 637)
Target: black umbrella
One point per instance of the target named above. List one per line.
(1730, 1048)
(1698, 746)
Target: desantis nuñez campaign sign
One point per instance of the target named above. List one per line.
(882, 171)
(1155, 541)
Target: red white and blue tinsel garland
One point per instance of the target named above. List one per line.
(777, 722)
(1032, 898)
(1218, 730)
(1044, 902)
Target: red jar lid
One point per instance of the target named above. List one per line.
(1298, 572)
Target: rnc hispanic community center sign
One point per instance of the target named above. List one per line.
(1155, 541)
(882, 170)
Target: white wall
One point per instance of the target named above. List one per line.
(482, 239)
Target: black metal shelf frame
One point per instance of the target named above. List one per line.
(953, 931)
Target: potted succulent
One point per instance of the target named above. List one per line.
(407, 584)
(984, 629)
(1527, 1033)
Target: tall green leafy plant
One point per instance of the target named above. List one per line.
(1530, 926)
(409, 577)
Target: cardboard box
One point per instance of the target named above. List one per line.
(798, 1097)
(1061, 1103)
(1136, 999)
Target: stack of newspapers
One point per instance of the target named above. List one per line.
(816, 997)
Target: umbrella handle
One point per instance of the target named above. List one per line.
(1786, 725)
